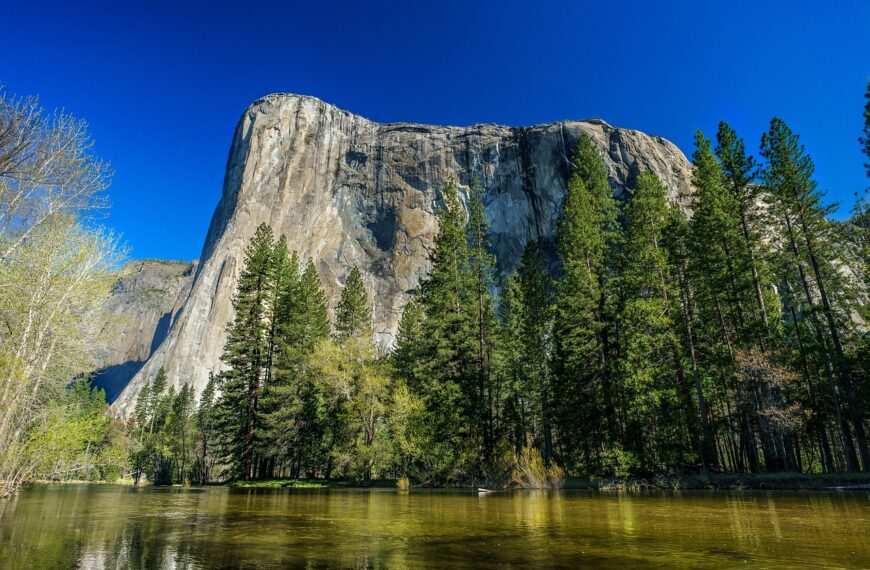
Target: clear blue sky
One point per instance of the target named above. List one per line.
(163, 85)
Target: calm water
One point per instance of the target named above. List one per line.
(98, 526)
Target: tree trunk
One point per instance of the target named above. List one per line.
(848, 446)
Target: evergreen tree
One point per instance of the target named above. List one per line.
(246, 356)
(205, 425)
(811, 240)
(711, 239)
(285, 296)
(297, 416)
(158, 387)
(448, 381)
(152, 456)
(140, 411)
(353, 315)
(536, 314)
(738, 311)
(481, 279)
(678, 237)
(518, 395)
(586, 234)
(739, 171)
(652, 378)
(409, 357)
(180, 432)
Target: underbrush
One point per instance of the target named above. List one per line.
(532, 472)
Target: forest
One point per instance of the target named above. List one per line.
(731, 341)
(643, 339)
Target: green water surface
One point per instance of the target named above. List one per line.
(113, 526)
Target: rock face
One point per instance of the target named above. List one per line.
(144, 303)
(349, 192)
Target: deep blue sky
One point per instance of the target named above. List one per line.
(163, 85)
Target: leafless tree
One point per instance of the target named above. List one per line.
(46, 168)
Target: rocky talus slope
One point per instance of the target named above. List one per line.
(347, 191)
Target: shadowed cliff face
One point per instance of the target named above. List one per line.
(349, 192)
(143, 305)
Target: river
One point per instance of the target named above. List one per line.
(114, 526)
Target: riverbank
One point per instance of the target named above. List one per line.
(732, 482)
(690, 482)
(279, 483)
(719, 482)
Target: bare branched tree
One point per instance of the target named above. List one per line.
(46, 168)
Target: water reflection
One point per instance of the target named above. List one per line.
(105, 526)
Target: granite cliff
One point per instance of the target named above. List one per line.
(347, 191)
(143, 305)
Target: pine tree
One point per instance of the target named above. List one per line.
(677, 237)
(446, 368)
(158, 387)
(205, 425)
(140, 412)
(246, 356)
(652, 378)
(271, 426)
(481, 278)
(739, 171)
(517, 411)
(712, 235)
(796, 202)
(180, 431)
(409, 357)
(738, 313)
(586, 235)
(297, 415)
(536, 324)
(353, 315)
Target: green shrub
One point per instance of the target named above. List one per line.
(532, 472)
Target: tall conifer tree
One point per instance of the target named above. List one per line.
(481, 278)
(353, 315)
(246, 356)
(447, 379)
(810, 237)
(652, 376)
(586, 236)
(536, 324)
